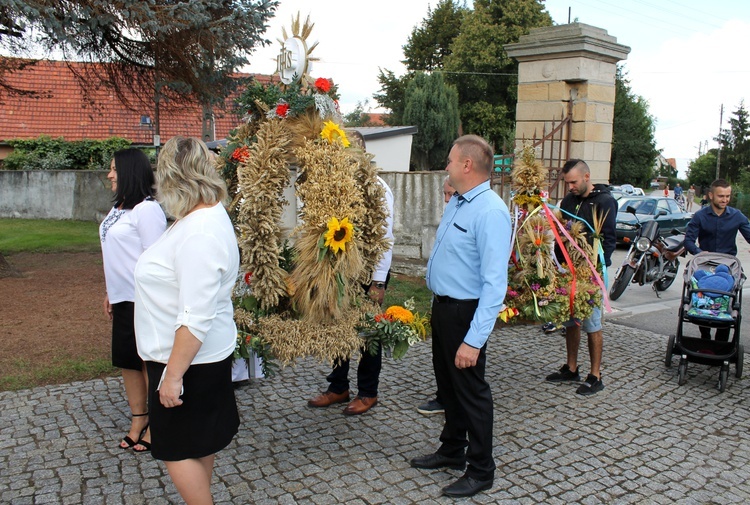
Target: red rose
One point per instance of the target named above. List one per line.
(282, 109)
(323, 85)
(248, 276)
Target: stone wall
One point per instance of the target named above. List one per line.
(86, 196)
(55, 194)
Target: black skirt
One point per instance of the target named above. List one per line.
(124, 350)
(207, 420)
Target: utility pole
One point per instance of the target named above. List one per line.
(718, 155)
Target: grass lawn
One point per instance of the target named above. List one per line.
(53, 329)
(46, 236)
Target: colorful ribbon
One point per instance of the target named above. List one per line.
(550, 217)
(598, 279)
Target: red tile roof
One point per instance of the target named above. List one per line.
(376, 119)
(60, 110)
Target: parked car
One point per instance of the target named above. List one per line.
(638, 192)
(654, 185)
(662, 209)
(627, 188)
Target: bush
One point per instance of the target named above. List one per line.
(46, 153)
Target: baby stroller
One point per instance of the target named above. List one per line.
(704, 304)
(680, 199)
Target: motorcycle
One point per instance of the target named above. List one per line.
(651, 258)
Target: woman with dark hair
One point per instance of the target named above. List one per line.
(134, 223)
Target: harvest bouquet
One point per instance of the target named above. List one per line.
(395, 330)
(305, 299)
(542, 287)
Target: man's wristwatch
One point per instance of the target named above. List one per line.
(379, 285)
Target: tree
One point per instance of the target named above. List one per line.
(429, 44)
(735, 145)
(702, 170)
(433, 106)
(633, 144)
(187, 49)
(358, 117)
(391, 96)
(483, 73)
(426, 49)
(11, 38)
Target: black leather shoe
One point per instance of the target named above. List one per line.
(466, 486)
(436, 460)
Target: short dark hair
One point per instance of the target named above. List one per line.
(720, 183)
(135, 178)
(478, 149)
(573, 163)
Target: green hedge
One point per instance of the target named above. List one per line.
(46, 153)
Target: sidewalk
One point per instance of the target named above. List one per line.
(644, 439)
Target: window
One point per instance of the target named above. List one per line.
(664, 205)
(673, 207)
(646, 206)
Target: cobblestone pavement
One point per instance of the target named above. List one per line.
(644, 439)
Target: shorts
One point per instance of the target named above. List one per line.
(591, 324)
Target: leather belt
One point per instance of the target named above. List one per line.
(448, 299)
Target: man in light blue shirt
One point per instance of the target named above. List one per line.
(468, 274)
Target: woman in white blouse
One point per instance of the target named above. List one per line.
(134, 223)
(184, 319)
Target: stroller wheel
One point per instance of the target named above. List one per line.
(670, 349)
(723, 378)
(682, 371)
(740, 359)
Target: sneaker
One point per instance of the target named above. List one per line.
(431, 407)
(564, 375)
(590, 386)
(549, 327)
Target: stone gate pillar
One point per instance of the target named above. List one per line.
(563, 64)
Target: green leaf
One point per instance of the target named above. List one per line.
(399, 350)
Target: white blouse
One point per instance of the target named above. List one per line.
(124, 235)
(186, 279)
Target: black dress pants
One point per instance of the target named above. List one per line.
(368, 370)
(368, 375)
(465, 393)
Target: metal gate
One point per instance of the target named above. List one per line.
(552, 148)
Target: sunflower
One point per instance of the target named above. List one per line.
(338, 234)
(332, 133)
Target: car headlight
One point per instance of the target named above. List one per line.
(643, 244)
(624, 226)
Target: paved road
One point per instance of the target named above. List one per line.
(644, 439)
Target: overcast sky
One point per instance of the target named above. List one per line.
(687, 58)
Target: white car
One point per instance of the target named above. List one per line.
(638, 192)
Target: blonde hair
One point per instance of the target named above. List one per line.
(186, 176)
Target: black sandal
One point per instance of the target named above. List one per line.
(129, 441)
(142, 442)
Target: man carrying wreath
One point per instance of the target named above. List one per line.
(586, 200)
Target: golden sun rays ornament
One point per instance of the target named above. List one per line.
(294, 61)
